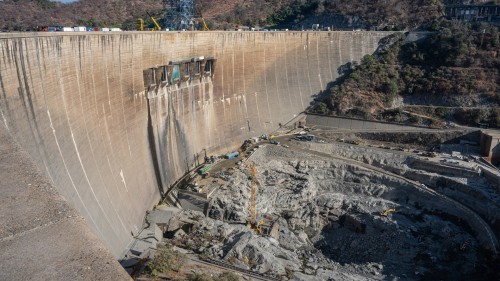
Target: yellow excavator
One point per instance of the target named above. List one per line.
(387, 212)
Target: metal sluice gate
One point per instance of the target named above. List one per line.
(179, 71)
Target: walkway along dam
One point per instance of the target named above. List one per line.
(111, 143)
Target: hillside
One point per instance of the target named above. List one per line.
(452, 75)
(20, 15)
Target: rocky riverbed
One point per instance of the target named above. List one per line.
(322, 219)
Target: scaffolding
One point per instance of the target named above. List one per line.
(178, 14)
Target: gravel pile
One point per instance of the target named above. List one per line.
(325, 221)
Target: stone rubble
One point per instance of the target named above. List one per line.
(327, 223)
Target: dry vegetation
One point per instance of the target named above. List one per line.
(21, 15)
(457, 66)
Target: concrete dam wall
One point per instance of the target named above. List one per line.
(78, 104)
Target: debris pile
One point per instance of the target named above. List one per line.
(326, 220)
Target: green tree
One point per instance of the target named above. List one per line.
(441, 111)
(368, 60)
(320, 108)
(391, 89)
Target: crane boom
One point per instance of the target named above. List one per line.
(253, 195)
(205, 27)
(156, 23)
(158, 27)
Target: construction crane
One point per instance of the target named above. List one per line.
(205, 27)
(253, 195)
(157, 26)
(141, 24)
(253, 223)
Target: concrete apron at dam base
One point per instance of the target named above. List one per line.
(41, 236)
(76, 102)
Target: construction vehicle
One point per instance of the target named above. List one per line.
(258, 226)
(205, 27)
(157, 26)
(141, 24)
(387, 212)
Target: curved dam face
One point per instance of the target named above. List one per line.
(78, 104)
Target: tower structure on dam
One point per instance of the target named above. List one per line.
(77, 103)
(178, 14)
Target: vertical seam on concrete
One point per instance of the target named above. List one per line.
(286, 72)
(223, 99)
(108, 137)
(78, 153)
(92, 149)
(308, 59)
(351, 50)
(69, 175)
(102, 137)
(42, 82)
(244, 95)
(330, 62)
(40, 137)
(256, 93)
(339, 50)
(123, 109)
(319, 67)
(280, 106)
(26, 91)
(298, 74)
(265, 86)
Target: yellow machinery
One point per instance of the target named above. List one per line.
(253, 222)
(157, 26)
(386, 212)
(253, 198)
(141, 24)
(205, 27)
